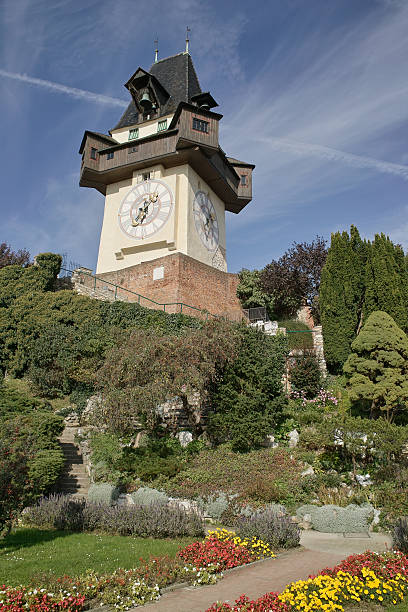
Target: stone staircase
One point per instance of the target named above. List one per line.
(74, 480)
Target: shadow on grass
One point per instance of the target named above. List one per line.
(26, 537)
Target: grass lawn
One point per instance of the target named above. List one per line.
(27, 552)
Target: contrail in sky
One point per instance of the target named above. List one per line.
(357, 161)
(79, 94)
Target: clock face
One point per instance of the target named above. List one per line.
(145, 209)
(205, 219)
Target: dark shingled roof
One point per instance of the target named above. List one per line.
(178, 76)
(237, 162)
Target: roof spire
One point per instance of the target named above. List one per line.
(156, 50)
(187, 38)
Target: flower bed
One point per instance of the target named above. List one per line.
(380, 578)
(198, 564)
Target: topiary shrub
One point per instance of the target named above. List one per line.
(145, 496)
(400, 535)
(45, 468)
(334, 519)
(275, 528)
(103, 493)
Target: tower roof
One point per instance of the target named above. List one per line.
(178, 77)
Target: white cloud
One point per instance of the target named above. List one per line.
(73, 92)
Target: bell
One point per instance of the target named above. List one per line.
(146, 101)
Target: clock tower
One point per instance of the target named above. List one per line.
(167, 185)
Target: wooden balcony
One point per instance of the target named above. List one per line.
(104, 162)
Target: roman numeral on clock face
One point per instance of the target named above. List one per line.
(150, 204)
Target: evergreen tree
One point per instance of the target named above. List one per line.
(386, 280)
(378, 366)
(341, 291)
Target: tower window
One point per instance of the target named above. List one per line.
(200, 125)
(146, 176)
(93, 152)
(133, 133)
(243, 179)
(110, 155)
(133, 149)
(162, 125)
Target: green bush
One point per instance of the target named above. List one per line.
(14, 402)
(301, 338)
(45, 468)
(305, 374)
(103, 493)
(247, 398)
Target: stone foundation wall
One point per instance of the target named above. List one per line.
(175, 279)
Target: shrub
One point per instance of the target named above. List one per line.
(155, 520)
(276, 529)
(145, 496)
(103, 492)
(234, 474)
(299, 335)
(400, 535)
(305, 374)
(334, 519)
(247, 399)
(46, 468)
(378, 366)
(214, 505)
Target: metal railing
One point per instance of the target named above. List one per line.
(117, 290)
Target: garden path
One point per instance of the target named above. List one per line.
(74, 480)
(317, 552)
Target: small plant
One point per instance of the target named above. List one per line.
(400, 535)
(145, 496)
(214, 506)
(274, 528)
(103, 492)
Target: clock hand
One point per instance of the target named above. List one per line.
(141, 215)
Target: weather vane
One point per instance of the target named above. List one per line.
(156, 50)
(187, 38)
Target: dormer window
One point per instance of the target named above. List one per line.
(110, 155)
(200, 125)
(133, 134)
(162, 125)
(93, 153)
(243, 179)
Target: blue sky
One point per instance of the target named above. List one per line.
(314, 92)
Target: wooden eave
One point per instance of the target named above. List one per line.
(196, 109)
(138, 141)
(87, 133)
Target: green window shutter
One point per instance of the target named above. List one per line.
(162, 125)
(134, 133)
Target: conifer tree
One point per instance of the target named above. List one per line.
(341, 291)
(378, 365)
(386, 280)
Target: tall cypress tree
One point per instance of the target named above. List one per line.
(386, 281)
(341, 291)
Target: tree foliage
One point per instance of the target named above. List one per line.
(378, 365)
(145, 368)
(341, 290)
(248, 398)
(250, 292)
(359, 277)
(8, 257)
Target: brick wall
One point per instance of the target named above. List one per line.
(180, 278)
